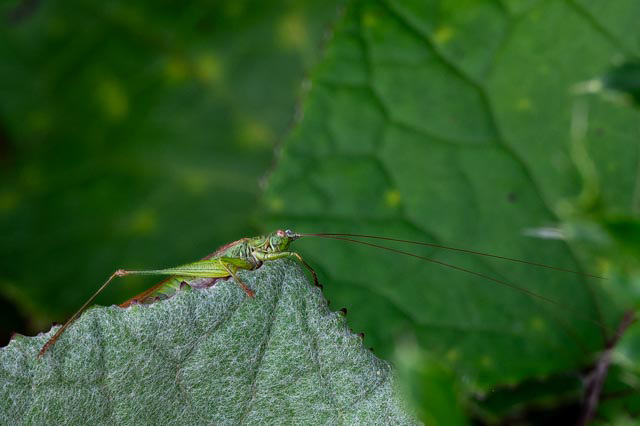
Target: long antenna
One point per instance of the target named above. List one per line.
(479, 253)
(52, 340)
(528, 292)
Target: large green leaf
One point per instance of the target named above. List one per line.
(208, 356)
(125, 126)
(449, 122)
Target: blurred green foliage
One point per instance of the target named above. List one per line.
(135, 134)
(462, 123)
(429, 387)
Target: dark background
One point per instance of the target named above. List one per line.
(136, 134)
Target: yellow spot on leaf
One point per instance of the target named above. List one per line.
(233, 9)
(112, 98)
(443, 35)
(208, 68)
(275, 204)
(292, 31)
(176, 69)
(604, 265)
(523, 104)
(142, 222)
(370, 19)
(537, 324)
(196, 181)
(255, 134)
(534, 15)
(40, 121)
(392, 198)
(510, 381)
(452, 355)
(486, 361)
(8, 200)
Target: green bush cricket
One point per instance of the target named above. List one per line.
(251, 253)
(246, 253)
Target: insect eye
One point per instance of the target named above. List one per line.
(280, 233)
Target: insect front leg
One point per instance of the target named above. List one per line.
(287, 255)
(231, 265)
